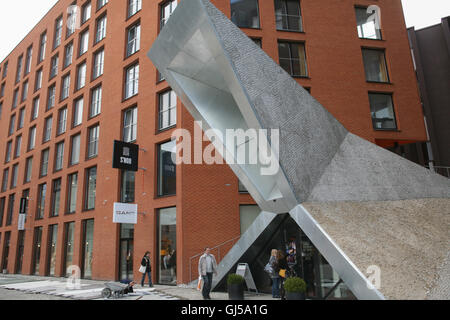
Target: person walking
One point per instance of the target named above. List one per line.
(207, 266)
(148, 269)
(275, 276)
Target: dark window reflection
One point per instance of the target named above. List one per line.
(245, 13)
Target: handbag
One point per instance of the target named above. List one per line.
(142, 269)
(282, 273)
(268, 268)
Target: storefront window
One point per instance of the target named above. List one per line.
(20, 248)
(37, 249)
(6, 250)
(167, 233)
(167, 169)
(69, 243)
(53, 237)
(88, 244)
(126, 251)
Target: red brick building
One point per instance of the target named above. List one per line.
(68, 93)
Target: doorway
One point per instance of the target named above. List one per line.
(126, 251)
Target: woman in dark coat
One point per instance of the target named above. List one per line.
(146, 262)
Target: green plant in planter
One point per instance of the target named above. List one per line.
(295, 284)
(234, 279)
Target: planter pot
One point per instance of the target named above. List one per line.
(295, 296)
(236, 291)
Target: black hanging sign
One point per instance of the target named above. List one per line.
(125, 156)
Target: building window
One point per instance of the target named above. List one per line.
(366, 25)
(24, 91)
(37, 250)
(5, 180)
(56, 198)
(54, 66)
(32, 138)
(28, 169)
(101, 4)
(127, 188)
(257, 41)
(2, 90)
(88, 248)
(59, 158)
(126, 269)
(1, 108)
(69, 242)
(65, 87)
(48, 129)
(293, 58)
(166, 169)
(91, 182)
(15, 98)
(44, 162)
(133, 39)
(167, 109)
(81, 76)
(19, 68)
(86, 12)
(51, 97)
(38, 82)
(166, 11)
(245, 13)
(130, 125)
(167, 245)
(20, 249)
(18, 146)
(248, 214)
(10, 212)
(40, 212)
(133, 7)
(5, 70)
(14, 173)
(98, 64)
(2, 210)
(93, 141)
(52, 242)
(28, 60)
(62, 121)
(71, 20)
(72, 190)
(5, 255)
(68, 55)
(288, 15)
(8, 151)
(75, 150)
(35, 108)
(21, 121)
(132, 81)
(58, 32)
(96, 102)
(100, 33)
(375, 65)
(12, 124)
(78, 112)
(382, 111)
(84, 42)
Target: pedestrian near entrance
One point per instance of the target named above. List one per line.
(148, 269)
(282, 265)
(207, 266)
(275, 276)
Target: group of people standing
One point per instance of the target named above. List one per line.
(277, 268)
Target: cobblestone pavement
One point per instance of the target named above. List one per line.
(17, 287)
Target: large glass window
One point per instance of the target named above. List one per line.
(94, 133)
(167, 235)
(166, 11)
(126, 251)
(167, 109)
(366, 24)
(98, 64)
(167, 169)
(133, 39)
(288, 15)
(54, 66)
(68, 55)
(32, 138)
(375, 65)
(75, 150)
(78, 112)
(28, 169)
(37, 250)
(69, 238)
(91, 182)
(51, 251)
(59, 157)
(382, 111)
(72, 190)
(62, 121)
(134, 6)
(132, 81)
(10, 212)
(6, 245)
(58, 32)
(20, 251)
(245, 13)
(48, 129)
(56, 198)
(65, 87)
(84, 42)
(127, 189)
(293, 58)
(96, 102)
(35, 108)
(130, 124)
(81, 75)
(88, 246)
(51, 97)
(101, 29)
(40, 212)
(44, 162)
(86, 12)
(38, 81)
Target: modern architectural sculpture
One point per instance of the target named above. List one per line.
(431, 51)
(226, 81)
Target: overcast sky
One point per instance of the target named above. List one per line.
(18, 17)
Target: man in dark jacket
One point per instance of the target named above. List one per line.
(146, 262)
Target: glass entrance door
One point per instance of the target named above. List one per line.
(167, 261)
(126, 252)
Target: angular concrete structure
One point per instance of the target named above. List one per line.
(228, 82)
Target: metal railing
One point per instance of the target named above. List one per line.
(213, 249)
(442, 170)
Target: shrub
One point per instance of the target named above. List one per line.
(234, 279)
(295, 284)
